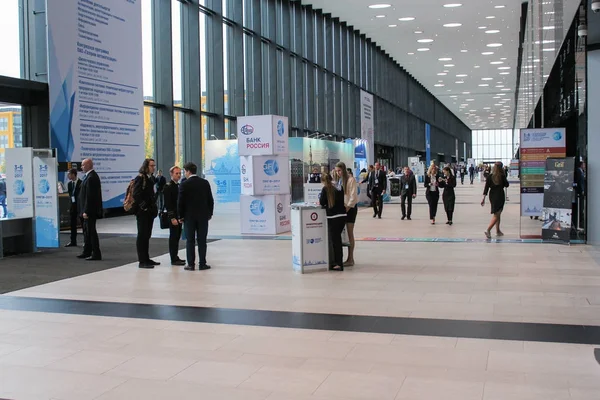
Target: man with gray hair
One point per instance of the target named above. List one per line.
(90, 210)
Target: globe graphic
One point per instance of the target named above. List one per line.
(19, 187)
(257, 207)
(44, 186)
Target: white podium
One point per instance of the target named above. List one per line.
(310, 246)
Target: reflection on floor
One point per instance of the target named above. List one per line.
(89, 356)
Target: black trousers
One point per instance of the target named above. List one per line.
(432, 199)
(74, 223)
(145, 222)
(403, 198)
(462, 179)
(335, 226)
(377, 200)
(91, 242)
(472, 177)
(196, 230)
(449, 202)
(174, 238)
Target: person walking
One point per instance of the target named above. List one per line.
(472, 173)
(408, 187)
(433, 191)
(145, 212)
(494, 185)
(463, 172)
(195, 207)
(74, 188)
(378, 184)
(348, 185)
(171, 193)
(90, 210)
(332, 200)
(448, 182)
(160, 182)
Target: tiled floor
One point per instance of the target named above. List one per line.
(62, 356)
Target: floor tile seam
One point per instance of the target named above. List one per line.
(125, 380)
(329, 373)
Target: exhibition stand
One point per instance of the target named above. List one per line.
(310, 246)
(265, 174)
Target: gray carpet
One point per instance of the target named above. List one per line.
(24, 271)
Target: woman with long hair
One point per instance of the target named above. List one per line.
(332, 200)
(433, 191)
(448, 182)
(494, 185)
(347, 184)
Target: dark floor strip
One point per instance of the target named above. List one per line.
(578, 334)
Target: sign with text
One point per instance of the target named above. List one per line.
(267, 215)
(19, 182)
(537, 145)
(265, 175)
(310, 245)
(45, 182)
(367, 123)
(95, 88)
(558, 200)
(262, 135)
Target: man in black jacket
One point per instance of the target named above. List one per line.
(161, 182)
(145, 212)
(74, 188)
(171, 193)
(408, 187)
(378, 184)
(195, 208)
(90, 210)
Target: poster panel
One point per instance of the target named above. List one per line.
(367, 123)
(558, 200)
(45, 181)
(536, 146)
(428, 144)
(265, 175)
(314, 240)
(222, 170)
(19, 182)
(262, 135)
(95, 88)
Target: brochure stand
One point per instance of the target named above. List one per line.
(310, 246)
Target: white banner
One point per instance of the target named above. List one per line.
(19, 182)
(262, 135)
(45, 180)
(95, 82)
(367, 123)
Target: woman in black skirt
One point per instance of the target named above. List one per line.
(433, 191)
(332, 200)
(448, 182)
(494, 185)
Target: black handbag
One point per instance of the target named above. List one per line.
(165, 221)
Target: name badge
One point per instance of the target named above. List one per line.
(406, 186)
(376, 181)
(72, 199)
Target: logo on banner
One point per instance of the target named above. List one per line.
(18, 171)
(44, 186)
(527, 137)
(557, 136)
(271, 167)
(314, 216)
(280, 208)
(19, 187)
(280, 128)
(559, 164)
(314, 241)
(257, 207)
(247, 130)
(243, 170)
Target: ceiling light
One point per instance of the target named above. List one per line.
(449, 65)
(452, 25)
(487, 53)
(490, 17)
(453, 97)
(494, 45)
(466, 92)
(477, 66)
(418, 32)
(461, 75)
(452, 5)
(500, 86)
(505, 68)
(445, 59)
(406, 19)
(549, 49)
(548, 28)
(492, 31)
(470, 99)
(484, 85)
(482, 27)
(499, 6)
(487, 79)
(459, 82)
(442, 74)
(506, 89)
(410, 54)
(497, 62)
(464, 51)
(504, 73)
(392, 26)
(380, 16)
(380, 5)
(439, 85)
(425, 40)
(423, 49)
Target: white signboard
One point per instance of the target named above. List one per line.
(19, 182)
(310, 247)
(45, 180)
(367, 123)
(262, 135)
(312, 192)
(265, 175)
(267, 215)
(95, 83)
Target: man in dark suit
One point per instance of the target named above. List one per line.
(195, 208)
(90, 210)
(146, 211)
(74, 189)
(171, 193)
(408, 187)
(378, 184)
(161, 181)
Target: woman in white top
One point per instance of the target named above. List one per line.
(347, 183)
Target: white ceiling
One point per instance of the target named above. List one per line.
(480, 107)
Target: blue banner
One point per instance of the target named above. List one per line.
(428, 144)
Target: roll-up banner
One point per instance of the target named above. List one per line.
(45, 181)
(19, 182)
(558, 200)
(367, 123)
(95, 83)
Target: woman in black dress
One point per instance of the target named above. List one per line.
(448, 182)
(332, 200)
(494, 185)
(433, 191)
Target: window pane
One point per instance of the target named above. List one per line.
(9, 32)
(150, 131)
(178, 137)
(203, 63)
(11, 131)
(147, 49)
(176, 30)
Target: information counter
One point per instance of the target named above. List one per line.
(310, 247)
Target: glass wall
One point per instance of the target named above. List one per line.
(11, 131)
(9, 32)
(494, 145)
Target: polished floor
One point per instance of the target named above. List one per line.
(413, 320)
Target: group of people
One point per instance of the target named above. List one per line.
(186, 205)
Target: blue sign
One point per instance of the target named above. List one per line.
(271, 167)
(428, 144)
(247, 130)
(257, 207)
(280, 128)
(557, 136)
